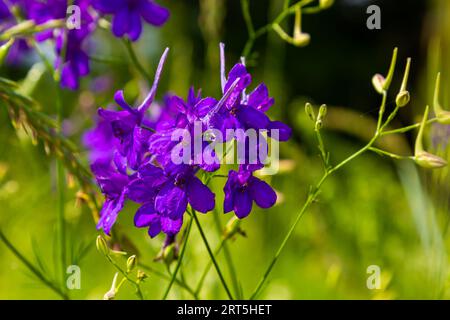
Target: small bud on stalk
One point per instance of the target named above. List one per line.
(131, 263)
(403, 96)
(442, 115)
(101, 245)
(421, 157)
(310, 111)
(325, 4)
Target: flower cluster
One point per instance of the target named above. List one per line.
(132, 153)
(70, 43)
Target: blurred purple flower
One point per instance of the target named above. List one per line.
(127, 15)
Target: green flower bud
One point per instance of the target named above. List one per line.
(429, 161)
(402, 98)
(322, 112)
(325, 4)
(378, 82)
(101, 245)
(232, 227)
(310, 111)
(421, 157)
(131, 263)
(442, 115)
(111, 294)
(169, 254)
(301, 39)
(141, 275)
(4, 49)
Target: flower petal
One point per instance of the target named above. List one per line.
(242, 203)
(171, 201)
(200, 197)
(263, 194)
(153, 13)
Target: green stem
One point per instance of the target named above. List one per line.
(162, 275)
(135, 60)
(408, 128)
(199, 286)
(32, 268)
(216, 265)
(183, 250)
(226, 251)
(125, 274)
(389, 154)
(253, 35)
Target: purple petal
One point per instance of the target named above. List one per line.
(284, 131)
(140, 192)
(153, 13)
(120, 24)
(145, 215)
(263, 194)
(109, 212)
(171, 201)
(253, 118)
(242, 203)
(171, 226)
(259, 98)
(200, 197)
(135, 28)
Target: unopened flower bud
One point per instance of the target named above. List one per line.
(302, 39)
(232, 227)
(131, 263)
(310, 111)
(429, 161)
(101, 245)
(378, 82)
(169, 254)
(141, 275)
(325, 4)
(111, 294)
(402, 98)
(322, 112)
(442, 115)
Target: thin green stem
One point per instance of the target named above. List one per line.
(389, 154)
(32, 268)
(180, 259)
(125, 274)
(199, 286)
(226, 251)
(216, 265)
(253, 35)
(247, 17)
(162, 275)
(406, 129)
(135, 60)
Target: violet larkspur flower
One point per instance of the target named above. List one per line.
(126, 124)
(242, 188)
(127, 15)
(165, 195)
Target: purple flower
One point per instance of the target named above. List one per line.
(101, 142)
(165, 195)
(127, 15)
(242, 188)
(126, 124)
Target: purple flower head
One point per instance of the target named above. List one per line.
(127, 15)
(242, 188)
(165, 195)
(126, 124)
(242, 111)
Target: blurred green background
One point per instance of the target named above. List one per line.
(372, 212)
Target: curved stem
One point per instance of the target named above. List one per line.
(213, 259)
(135, 60)
(125, 274)
(183, 250)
